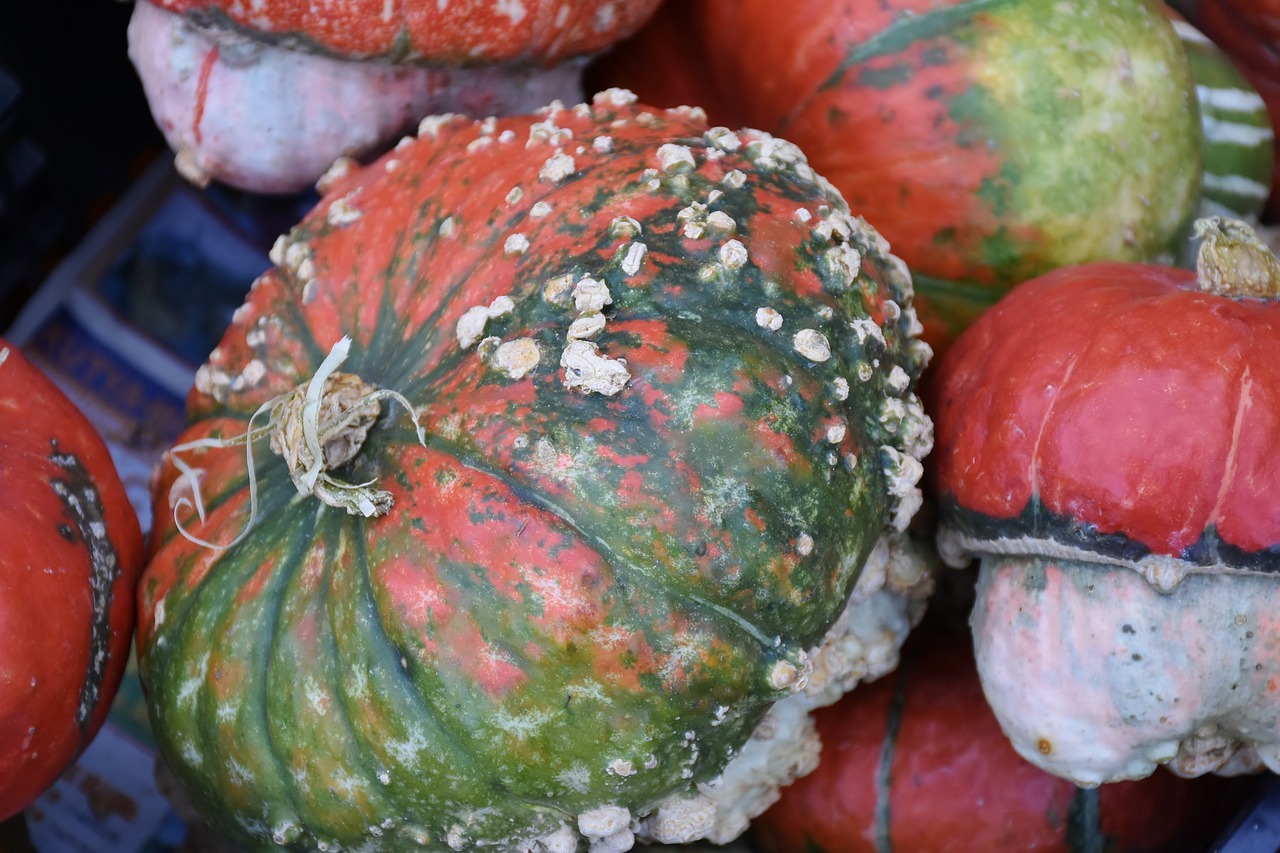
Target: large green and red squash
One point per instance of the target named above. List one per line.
(1109, 448)
(917, 761)
(664, 381)
(988, 140)
(70, 554)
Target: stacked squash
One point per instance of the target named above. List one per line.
(564, 463)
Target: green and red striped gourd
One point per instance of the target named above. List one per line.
(1239, 143)
(988, 140)
(70, 555)
(917, 762)
(662, 382)
(1248, 31)
(1109, 449)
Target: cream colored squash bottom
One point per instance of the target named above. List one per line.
(1097, 676)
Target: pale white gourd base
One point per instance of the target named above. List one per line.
(272, 120)
(1097, 676)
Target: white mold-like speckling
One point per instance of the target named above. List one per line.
(557, 167)
(590, 296)
(843, 263)
(587, 370)
(558, 290)
(625, 228)
(586, 327)
(500, 307)
(719, 222)
(768, 318)
(633, 256)
(723, 138)
(812, 344)
(430, 127)
(517, 359)
(676, 158)
(337, 170)
(614, 97)
(733, 254)
(516, 244)
(470, 326)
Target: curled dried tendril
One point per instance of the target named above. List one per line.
(316, 427)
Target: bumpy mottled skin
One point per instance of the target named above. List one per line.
(441, 32)
(1096, 676)
(271, 120)
(988, 140)
(1109, 446)
(581, 603)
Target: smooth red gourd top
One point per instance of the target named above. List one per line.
(1120, 398)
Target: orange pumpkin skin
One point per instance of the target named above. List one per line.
(917, 761)
(272, 120)
(265, 96)
(70, 553)
(664, 65)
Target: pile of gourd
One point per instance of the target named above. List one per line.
(572, 465)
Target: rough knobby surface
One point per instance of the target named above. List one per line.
(636, 514)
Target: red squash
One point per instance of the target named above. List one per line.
(461, 32)
(70, 553)
(664, 65)
(917, 761)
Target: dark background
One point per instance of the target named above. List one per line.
(74, 131)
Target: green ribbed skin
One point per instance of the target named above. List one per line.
(584, 595)
(1239, 142)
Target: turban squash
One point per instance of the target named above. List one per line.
(1107, 449)
(570, 437)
